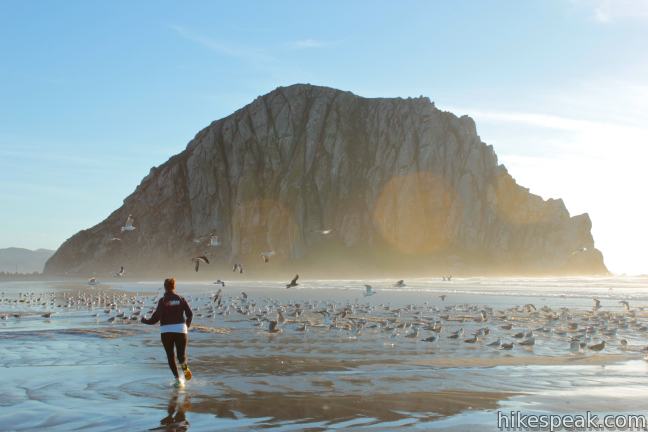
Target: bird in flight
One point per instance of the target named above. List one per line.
(198, 260)
(369, 291)
(266, 256)
(128, 226)
(120, 273)
(293, 282)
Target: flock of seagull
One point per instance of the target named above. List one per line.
(212, 240)
(576, 330)
(502, 329)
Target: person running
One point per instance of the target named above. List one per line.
(171, 312)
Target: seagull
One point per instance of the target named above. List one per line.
(238, 267)
(399, 284)
(293, 282)
(213, 241)
(113, 239)
(217, 297)
(506, 346)
(579, 250)
(92, 281)
(222, 283)
(442, 297)
(597, 304)
(272, 327)
(369, 291)
(528, 342)
(200, 259)
(128, 226)
(120, 273)
(497, 343)
(625, 304)
(430, 339)
(472, 339)
(598, 346)
(457, 334)
(266, 256)
(325, 231)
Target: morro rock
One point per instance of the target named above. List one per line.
(402, 185)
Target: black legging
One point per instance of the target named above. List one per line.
(180, 342)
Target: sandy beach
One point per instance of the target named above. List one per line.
(77, 371)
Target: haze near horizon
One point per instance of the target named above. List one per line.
(93, 96)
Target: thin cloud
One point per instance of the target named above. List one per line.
(607, 11)
(239, 52)
(308, 44)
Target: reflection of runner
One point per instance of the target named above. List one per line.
(178, 405)
(171, 311)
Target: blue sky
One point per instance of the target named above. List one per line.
(93, 94)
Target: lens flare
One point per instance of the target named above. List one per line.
(412, 213)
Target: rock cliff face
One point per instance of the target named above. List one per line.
(401, 184)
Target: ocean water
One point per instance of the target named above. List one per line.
(78, 371)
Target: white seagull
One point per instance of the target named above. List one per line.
(128, 226)
(266, 256)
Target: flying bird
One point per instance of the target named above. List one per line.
(293, 282)
(120, 273)
(369, 291)
(200, 259)
(128, 226)
(399, 284)
(266, 256)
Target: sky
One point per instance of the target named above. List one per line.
(93, 93)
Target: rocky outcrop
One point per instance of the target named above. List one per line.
(402, 185)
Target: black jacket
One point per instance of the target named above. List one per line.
(171, 309)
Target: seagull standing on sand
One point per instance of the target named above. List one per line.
(293, 282)
(598, 346)
(198, 260)
(272, 327)
(128, 226)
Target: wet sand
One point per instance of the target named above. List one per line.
(75, 370)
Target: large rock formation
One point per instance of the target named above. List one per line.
(403, 185)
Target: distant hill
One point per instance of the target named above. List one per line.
(23, 260)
